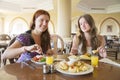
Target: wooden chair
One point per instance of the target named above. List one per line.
(12, 60)
(4, 40)
(112, 50)
(1, 60)
(57, 43)
(4, 37)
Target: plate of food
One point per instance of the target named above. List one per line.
(78, 68)
(84, 57)
(39, 59)
(56, 59)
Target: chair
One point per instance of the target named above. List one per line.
(1, 61)
(12, 60)
(112, 50)
(4, 37)
(57, 43)
(4, 40)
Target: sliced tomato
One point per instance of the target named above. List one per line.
(35, 58)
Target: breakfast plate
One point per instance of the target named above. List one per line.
(56, 59)
(90, 70)
(84, 57)
(36, 62)
(39, 59)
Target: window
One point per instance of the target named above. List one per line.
(18, 26)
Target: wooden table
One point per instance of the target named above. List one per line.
(23, 72)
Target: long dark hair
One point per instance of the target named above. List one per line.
(95, 42)
(45, 37)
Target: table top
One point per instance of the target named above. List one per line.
(18, 71)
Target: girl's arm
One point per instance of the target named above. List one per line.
(75, 45)
(16, 49)
(13, 50)
(101, 49)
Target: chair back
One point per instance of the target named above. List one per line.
(11, 41)
(13, 60)
(57, 43)
(4, 37)
(1, 60)
(4, 40)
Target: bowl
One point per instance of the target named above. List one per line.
(73, 58)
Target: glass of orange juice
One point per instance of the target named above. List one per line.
(94, 60)
(49, 60)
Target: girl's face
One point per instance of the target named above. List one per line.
(85, 27)
(41, 23)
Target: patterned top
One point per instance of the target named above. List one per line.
(26, 40)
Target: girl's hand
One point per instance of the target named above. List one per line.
(73, 52)
(102, 51)
(34, 48)
(50, 52)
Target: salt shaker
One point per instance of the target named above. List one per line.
(52, 68)
(46, 69)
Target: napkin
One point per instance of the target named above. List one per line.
(109, 61)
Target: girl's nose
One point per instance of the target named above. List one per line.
(83, 25)
(44, 23)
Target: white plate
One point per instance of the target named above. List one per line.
(58, 59)
(37, 62)
(79, 73)
(82, 57)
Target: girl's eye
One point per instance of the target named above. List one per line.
(41, 20)
(81, 24)
(47, 21)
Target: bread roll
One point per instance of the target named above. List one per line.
(72, 69)
(63, 65)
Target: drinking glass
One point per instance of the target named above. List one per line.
(49, 60)
(94, 60)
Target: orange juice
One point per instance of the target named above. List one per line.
(49, 60)
(94, 61)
